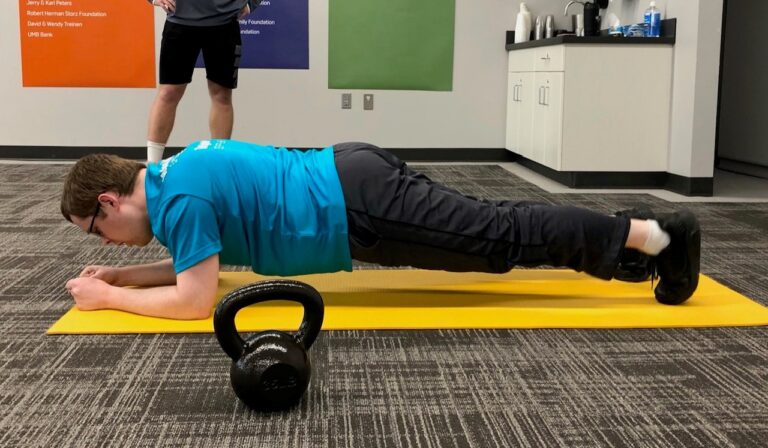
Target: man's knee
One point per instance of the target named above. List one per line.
(219, 94)
(171, 93)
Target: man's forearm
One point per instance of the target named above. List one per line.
(192, 296)
(160, 273)
(159, 301)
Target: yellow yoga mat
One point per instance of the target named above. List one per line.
(416, 299)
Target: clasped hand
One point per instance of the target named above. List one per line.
(91, 288)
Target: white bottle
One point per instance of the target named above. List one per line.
(523, 24)
(652, 19)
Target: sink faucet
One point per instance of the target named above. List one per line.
(578, 19)
(569, 5)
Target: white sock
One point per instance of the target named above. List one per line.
(657, 239)
(155, 151)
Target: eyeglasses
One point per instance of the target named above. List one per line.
(98, 207)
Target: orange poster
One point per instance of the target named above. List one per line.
(87, 43)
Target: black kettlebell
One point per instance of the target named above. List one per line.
(271, 369)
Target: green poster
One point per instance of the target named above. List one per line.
(392, 44)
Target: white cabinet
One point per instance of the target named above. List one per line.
(548, 119)
(591, 107)
(520, 108)
(513, 115)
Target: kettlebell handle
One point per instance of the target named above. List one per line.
(291, 290)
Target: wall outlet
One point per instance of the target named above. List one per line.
(368, 101)
(346, 101)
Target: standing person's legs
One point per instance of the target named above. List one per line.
(178, 52)
(222, 116)
(222, 48)
(162, 116)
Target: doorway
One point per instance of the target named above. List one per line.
(741, 142)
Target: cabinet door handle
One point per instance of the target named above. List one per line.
(546, 96)
(517, 92)
(541, 91)
(545, 58)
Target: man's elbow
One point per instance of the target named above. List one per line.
(200, 313)
(195, 308)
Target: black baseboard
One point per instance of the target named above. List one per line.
(696, 186)
(688, 186)
(75, 152)
(745, 168)
(140, 153)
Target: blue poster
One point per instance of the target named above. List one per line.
(275, 35)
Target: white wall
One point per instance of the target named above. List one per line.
(287, 107)
(295, 108)
(699, 159)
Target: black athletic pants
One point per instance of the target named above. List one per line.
(399, 217)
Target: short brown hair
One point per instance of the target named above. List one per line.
(92, 175)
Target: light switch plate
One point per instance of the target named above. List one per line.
(368, 101)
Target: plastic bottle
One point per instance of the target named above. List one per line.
(652, 19)
(523, 24)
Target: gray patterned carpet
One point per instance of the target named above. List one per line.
(562, 388)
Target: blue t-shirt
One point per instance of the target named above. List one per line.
(278, 210)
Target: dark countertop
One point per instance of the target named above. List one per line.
(572, 39)
(668, 32)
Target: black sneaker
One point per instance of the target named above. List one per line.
(678, 264)
(634, 266)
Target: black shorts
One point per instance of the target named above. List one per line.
(181, 44)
